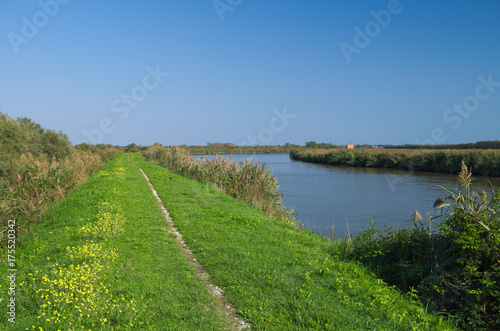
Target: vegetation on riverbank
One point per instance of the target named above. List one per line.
(482, 162)
(229, 148)
(115, 265)
(457, 269)
(280, 277)
(246, 181)
(38, 167)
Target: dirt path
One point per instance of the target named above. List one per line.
(223, 304)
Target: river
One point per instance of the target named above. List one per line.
(333, 199)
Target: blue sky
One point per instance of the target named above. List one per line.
(254, 72)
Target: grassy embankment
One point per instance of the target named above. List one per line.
(38, 167)
(247, 181)
(277, 275)
(439, 266)
(482, 162)
(103, 259)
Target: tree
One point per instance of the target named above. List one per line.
(311, 144)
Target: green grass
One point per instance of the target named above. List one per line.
(107, 245)
(146, 280)
(277, 276)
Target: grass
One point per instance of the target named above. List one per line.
(103, 259)
(247, 181)
(280, 277)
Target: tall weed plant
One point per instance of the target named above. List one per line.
(39, 182)
(246, 181)
(455, 269)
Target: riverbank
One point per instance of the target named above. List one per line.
(276, 275)
(482, 162)
(111, 232)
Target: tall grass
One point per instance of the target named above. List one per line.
(456, 269)
(482, 162)
(247, 181)
(40, 181)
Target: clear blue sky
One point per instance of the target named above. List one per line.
(279, 71)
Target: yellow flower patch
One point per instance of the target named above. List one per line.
(109, 224)
(76, 295)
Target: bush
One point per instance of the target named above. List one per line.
(455, 269)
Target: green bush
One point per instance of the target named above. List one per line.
(456, 269)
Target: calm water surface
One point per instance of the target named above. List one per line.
(329, 197)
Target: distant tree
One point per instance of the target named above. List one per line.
(25, 136)
(31, 126)
(131, 148)
(87, 147)
(327, 145)
(363, 146)
(55, 144)
(311, 144)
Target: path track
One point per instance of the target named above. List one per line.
(224, 305)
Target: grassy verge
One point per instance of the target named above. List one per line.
(483, 162)
(103, 259)
(277, 276)
(246, 181)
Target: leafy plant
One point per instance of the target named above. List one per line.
(454, 269)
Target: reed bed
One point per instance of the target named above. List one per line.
(483, 162)
(40, 182)
(247, 181)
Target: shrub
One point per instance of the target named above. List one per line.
(456, 269)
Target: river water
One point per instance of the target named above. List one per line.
(334, 199)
